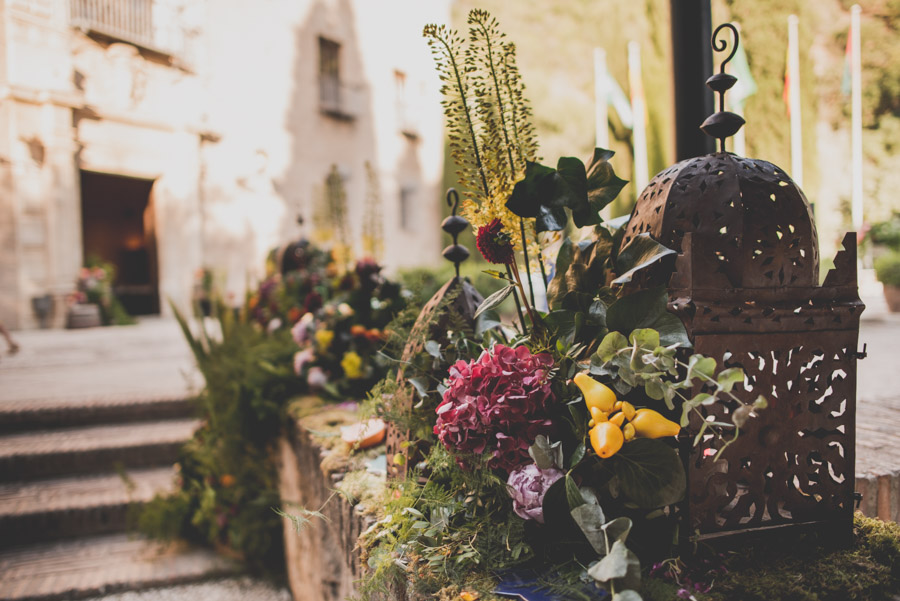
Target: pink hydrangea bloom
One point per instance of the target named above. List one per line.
(527, 485)
(497, 405)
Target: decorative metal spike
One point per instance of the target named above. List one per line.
(722, 124)
(454, 225)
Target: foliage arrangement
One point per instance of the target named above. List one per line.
(227, 483)
(887, 268)
(95, 286)
(546, 446)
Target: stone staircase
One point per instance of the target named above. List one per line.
(70, 471)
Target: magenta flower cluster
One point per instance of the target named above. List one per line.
(497, 405)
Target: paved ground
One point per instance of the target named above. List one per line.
(226, 589)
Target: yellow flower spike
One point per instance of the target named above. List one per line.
(651, 424)
(628, 432)
(606, 439)
(628, 410)
(617, 419)
(595, 394)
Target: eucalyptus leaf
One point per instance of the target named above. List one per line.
(641, 252)
(488, 320)
(627, 595)
(611, 344)
(617, 529)
(704, 366)
(613, 566)
(727, 378)
(494, 300)
(573, 495)
(421, 386)
(590, 519)
(545, 454)
(650, 473)
(645, 338)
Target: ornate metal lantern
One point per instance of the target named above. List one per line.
(746, 287)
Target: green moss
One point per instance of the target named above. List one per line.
(869, 571)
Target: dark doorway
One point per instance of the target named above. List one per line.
(117, 226)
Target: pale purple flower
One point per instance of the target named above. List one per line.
(301, 358)
(300, 331)
(273, 325)
(527, 485)
(316, 378)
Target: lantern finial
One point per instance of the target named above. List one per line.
(722, 124)
(453, 225)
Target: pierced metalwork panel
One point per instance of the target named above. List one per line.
(756, 222)
(794, 462)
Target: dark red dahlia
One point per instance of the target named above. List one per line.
(497, 405)
(494, 243)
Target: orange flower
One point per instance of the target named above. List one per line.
(358, 330)
(254, 300)
(227, 480)
(374, 335)
(294, 315)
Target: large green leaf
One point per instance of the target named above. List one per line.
(641, 252)
(647, 309)
(590, 519)
(542, 195)
(650, 473)
(603, 185)
(558, 286)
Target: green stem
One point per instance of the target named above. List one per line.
(509, 272)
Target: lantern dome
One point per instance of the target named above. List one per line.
(748, 212)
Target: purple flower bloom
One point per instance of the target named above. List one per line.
(301, 358)
(316, 378)
(527, 485)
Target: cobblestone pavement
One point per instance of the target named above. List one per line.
(225, 589)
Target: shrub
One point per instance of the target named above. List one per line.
(887, 268)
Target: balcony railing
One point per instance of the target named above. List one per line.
(338, 99)
(134, 22)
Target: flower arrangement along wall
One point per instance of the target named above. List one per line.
(95, 286)
(227, 483)
(551, 457)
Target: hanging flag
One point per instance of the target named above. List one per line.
(745, 86)
(847, 79)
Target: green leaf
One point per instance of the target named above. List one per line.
(647, 309)
(494, 273)
(557, 288)
(617, 530)
(590, 520)
(641, 252)
(542, 195)
(488, 320)
(420, 384)
(655, 389)
(613, 566)
(545, 454)
(611, 344)
(650, 473)
(577, 455)
(603, 186)
(573, 495)
(433, 348)
(562, 324)
(727, 378)
(645, 338)
(704, 366)
(760, 402)
(494, 300)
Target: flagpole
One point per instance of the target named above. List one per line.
(601, 100)
(794, 100)
(639, 112)
(856, 120)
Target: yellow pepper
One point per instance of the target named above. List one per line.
(618, 419)
(628, 432)
(595, 394)
(607, 439)
(628, 410)
(651, 424)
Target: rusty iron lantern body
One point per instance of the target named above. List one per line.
(746, 287)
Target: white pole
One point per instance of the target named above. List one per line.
(794, 100)
(639, 112)
(601, 100)
(856, 120)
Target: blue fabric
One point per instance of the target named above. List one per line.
(525, 585)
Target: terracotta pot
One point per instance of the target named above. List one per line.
(892, 296)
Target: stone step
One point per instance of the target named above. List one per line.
(96, 449)
(41, 414)
(44, 510)
(100, 565)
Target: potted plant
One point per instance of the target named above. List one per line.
(887, 269)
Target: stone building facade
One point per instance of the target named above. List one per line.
(169, 135)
